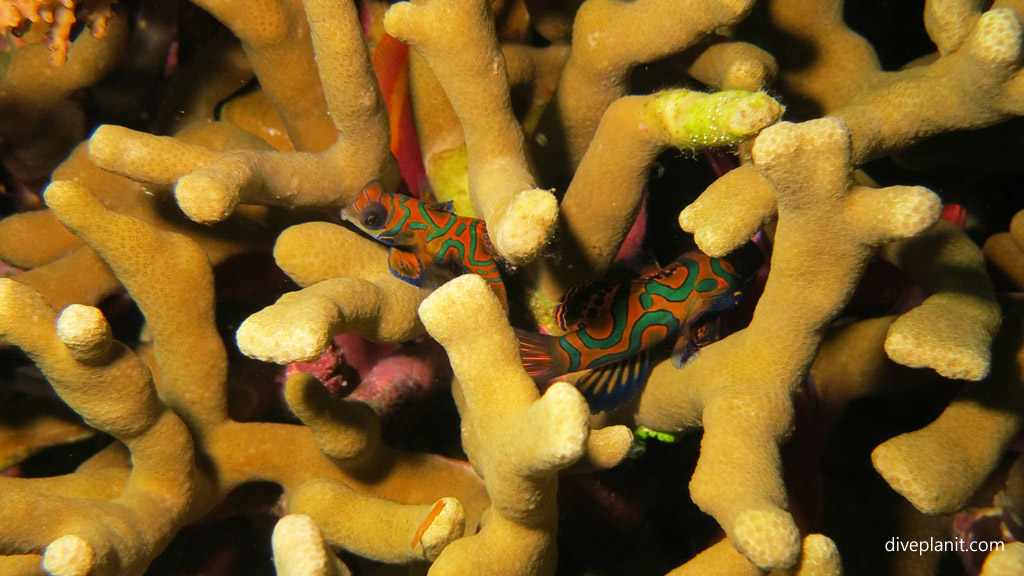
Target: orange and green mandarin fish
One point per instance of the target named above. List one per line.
(618, 324)
(425, 237)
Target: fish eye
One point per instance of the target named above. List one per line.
(374, 216)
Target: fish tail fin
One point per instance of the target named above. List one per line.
(541, 355)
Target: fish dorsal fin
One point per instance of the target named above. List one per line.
(584, 303)
(609, 387)
(448, 206)
(405, 266)
(644, 265)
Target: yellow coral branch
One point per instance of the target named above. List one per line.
(939, 467)
(952, 330)
(884, 111)
(346, 431)
(189, 350)
(349, 288)
(81, 361)
(745, 407)
(819, 557)
(299, 549)
(468, 64)
(276, 38)
(1005, 562)
(211, 185)
(734, 66)
(601, 58)
(376, 528)
(517, 439)
(604, 197)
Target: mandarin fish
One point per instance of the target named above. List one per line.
(425, 238)
(614, 327)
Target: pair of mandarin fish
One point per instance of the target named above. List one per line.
(612, 328)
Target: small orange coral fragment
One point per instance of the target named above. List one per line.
(58, 16)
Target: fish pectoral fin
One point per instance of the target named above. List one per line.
(684, 349)
(610, 386)
(405, 266)
(403, 238)
(695, 336)
(434, 275)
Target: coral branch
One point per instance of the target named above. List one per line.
(1005, 562)
(346, 431)
(275, 36)
(939, 467)
(20, 237)
(604, 197)
(210, 185)
(734, 66)
(729, 211)
(895, 110)
(80, 276)
(952, 330)
(190, 354)
(516, 439)
(299, 549)
(819, 557)
(350, 289)
(607, 447)
(378, 529)
(601, 58)
(746, 408)
(353, 98)
(1003, 253)
(81, 360)
(885, 112)
(471, 68)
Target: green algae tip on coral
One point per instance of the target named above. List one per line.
(642, 434)
(696, 120)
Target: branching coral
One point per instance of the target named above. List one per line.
(57, 16)
(192, 372)
(514, 437)
(604, 197)
(738, 477)
(470, 67)
(88, 534)
(885, 111)
(40, 121)
(819, 557)
(597, 71)
(209, 184)
(355, 294)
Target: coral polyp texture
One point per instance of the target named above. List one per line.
(206, 368)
